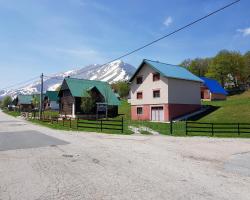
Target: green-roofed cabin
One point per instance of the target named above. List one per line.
(24, 103)
(51, 100)
(73, 90)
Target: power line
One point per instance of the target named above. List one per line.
(154, 41)
(173, 32)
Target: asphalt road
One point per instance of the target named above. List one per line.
(39, 163)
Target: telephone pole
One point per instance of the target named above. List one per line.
(41, 98)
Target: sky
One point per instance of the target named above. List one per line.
(54, 36)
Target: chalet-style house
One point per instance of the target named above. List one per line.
(24, 103)
(162, 92)
(73, 90)
(51, 100)
(212, 90)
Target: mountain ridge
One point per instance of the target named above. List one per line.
(112, 72)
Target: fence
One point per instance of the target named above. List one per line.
(217, 128)
(101, 124)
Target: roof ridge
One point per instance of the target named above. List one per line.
(82, 79)
(163, 63)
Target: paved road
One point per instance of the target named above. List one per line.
(43, 164)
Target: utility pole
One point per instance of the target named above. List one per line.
(41, 98)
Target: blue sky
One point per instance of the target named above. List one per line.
(53, 36)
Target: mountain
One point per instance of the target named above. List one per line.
(112, 72)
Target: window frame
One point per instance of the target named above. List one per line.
(139, 93)
(141, 109)
(156, 90)
(158, 75)
(140, 78)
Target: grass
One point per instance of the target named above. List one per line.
(12, 113)
(235, 109)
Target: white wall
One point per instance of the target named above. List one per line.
(147, 88)
(183, 91)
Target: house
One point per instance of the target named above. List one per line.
(162, 92)
(24, 103)
(51, 100)
(212, 90)
(73, 90)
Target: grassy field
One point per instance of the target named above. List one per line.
(235, 109)
(12, 113)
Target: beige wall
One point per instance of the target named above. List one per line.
(183, 91)
(147, 87)
(175, 91)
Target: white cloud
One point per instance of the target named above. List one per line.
(168, 21)
(245, 32)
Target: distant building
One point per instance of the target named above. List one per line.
(51, 100)
(73, 90)
(24, 103)
(162, 92)
(212, 90)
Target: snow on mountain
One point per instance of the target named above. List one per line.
(113, 72)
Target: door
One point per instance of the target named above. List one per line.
(157, 113)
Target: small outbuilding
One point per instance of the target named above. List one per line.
(51, 100)
(212, 90)
(163, 92)
(74, 90)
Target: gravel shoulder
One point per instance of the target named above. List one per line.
(102, 166)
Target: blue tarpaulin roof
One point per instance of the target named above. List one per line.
(214, 86)
(170, 71)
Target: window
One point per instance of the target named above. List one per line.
(156, 77)
(139, 111)
(139, 80)
(156, 93)
(139, 95)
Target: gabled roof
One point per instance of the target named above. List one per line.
(25, 99)
(168, 70)
(78, 88)
(52, 95)
(214, 86)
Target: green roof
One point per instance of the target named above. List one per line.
(25, 99)
(52, 95)
(79, 87)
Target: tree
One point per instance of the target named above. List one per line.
(198, 66)
(246, 58)
(88, 102)
(227, 66)
(36, 101)
(122, 88)
(6, 101)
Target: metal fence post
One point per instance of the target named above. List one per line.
(212, 129)
(238, 129)
(122, 124)
(186, 128)
(171, 127)
(70, 122)
(63, 121)
(77, 123)
(101, 125)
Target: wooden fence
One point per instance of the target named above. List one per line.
(101, 124)
(217, 128)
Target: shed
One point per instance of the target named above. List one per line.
(212, 90)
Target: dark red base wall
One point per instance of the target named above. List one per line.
(171, 111)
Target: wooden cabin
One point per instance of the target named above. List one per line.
(73, 90)
(51, 100)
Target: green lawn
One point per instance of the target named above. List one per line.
(12, 113)
(235, 109)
